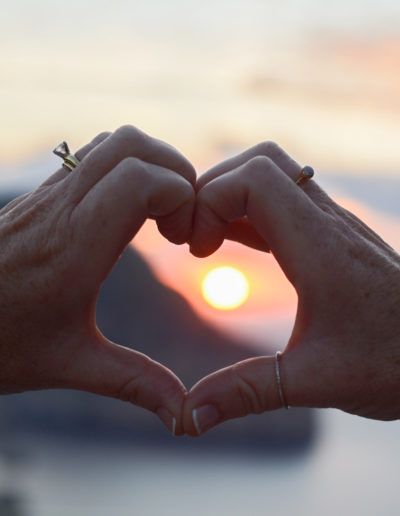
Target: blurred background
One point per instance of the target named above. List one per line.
(212, 78)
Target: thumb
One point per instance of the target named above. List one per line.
(105, 368)
(248, 387)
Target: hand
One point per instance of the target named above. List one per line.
(59, 244)
(344, 350)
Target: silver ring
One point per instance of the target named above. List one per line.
(279, 382)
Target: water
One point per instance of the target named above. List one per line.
(353, 469)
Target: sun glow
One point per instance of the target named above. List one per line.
(225, 288)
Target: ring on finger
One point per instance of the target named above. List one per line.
(70, 161)
(306, 173)
(279, 381)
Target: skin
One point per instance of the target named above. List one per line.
(59, 243)
(344, 351)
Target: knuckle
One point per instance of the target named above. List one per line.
(270, 149)
(133, 169)
(251, 400)
(131, 164)
(257, 166)
(129, 133)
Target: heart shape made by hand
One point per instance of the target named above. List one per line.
(61, 241)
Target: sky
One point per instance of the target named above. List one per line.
(211, 78)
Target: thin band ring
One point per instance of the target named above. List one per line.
(279, 381)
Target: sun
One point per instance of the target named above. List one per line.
(225, 288)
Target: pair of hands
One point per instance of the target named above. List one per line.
(60, 241)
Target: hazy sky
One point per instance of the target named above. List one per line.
(211, 77)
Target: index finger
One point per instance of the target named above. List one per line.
(281, 213)
(281, 159)
(126, 142)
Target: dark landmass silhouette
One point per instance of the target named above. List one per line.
(137, 311)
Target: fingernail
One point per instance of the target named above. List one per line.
(168, 419)
(204, 418)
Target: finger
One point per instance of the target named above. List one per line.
(111, 370)
(177, 225)
(278, 209)
(116, 207)
(80, 154)
(251, 387)
(275, 153)
(248, 387)
(307, 378)
(127, 142)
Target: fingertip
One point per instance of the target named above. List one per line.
(196, 421)
(191, 426)
(170, 422)
(204, 418)
(202, 409)
(198, 252)
(220, 202)
(202, 250)
(248, 387)
(208, 234)
(174, 228)
(167, 419)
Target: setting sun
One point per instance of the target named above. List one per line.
(225, 288)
